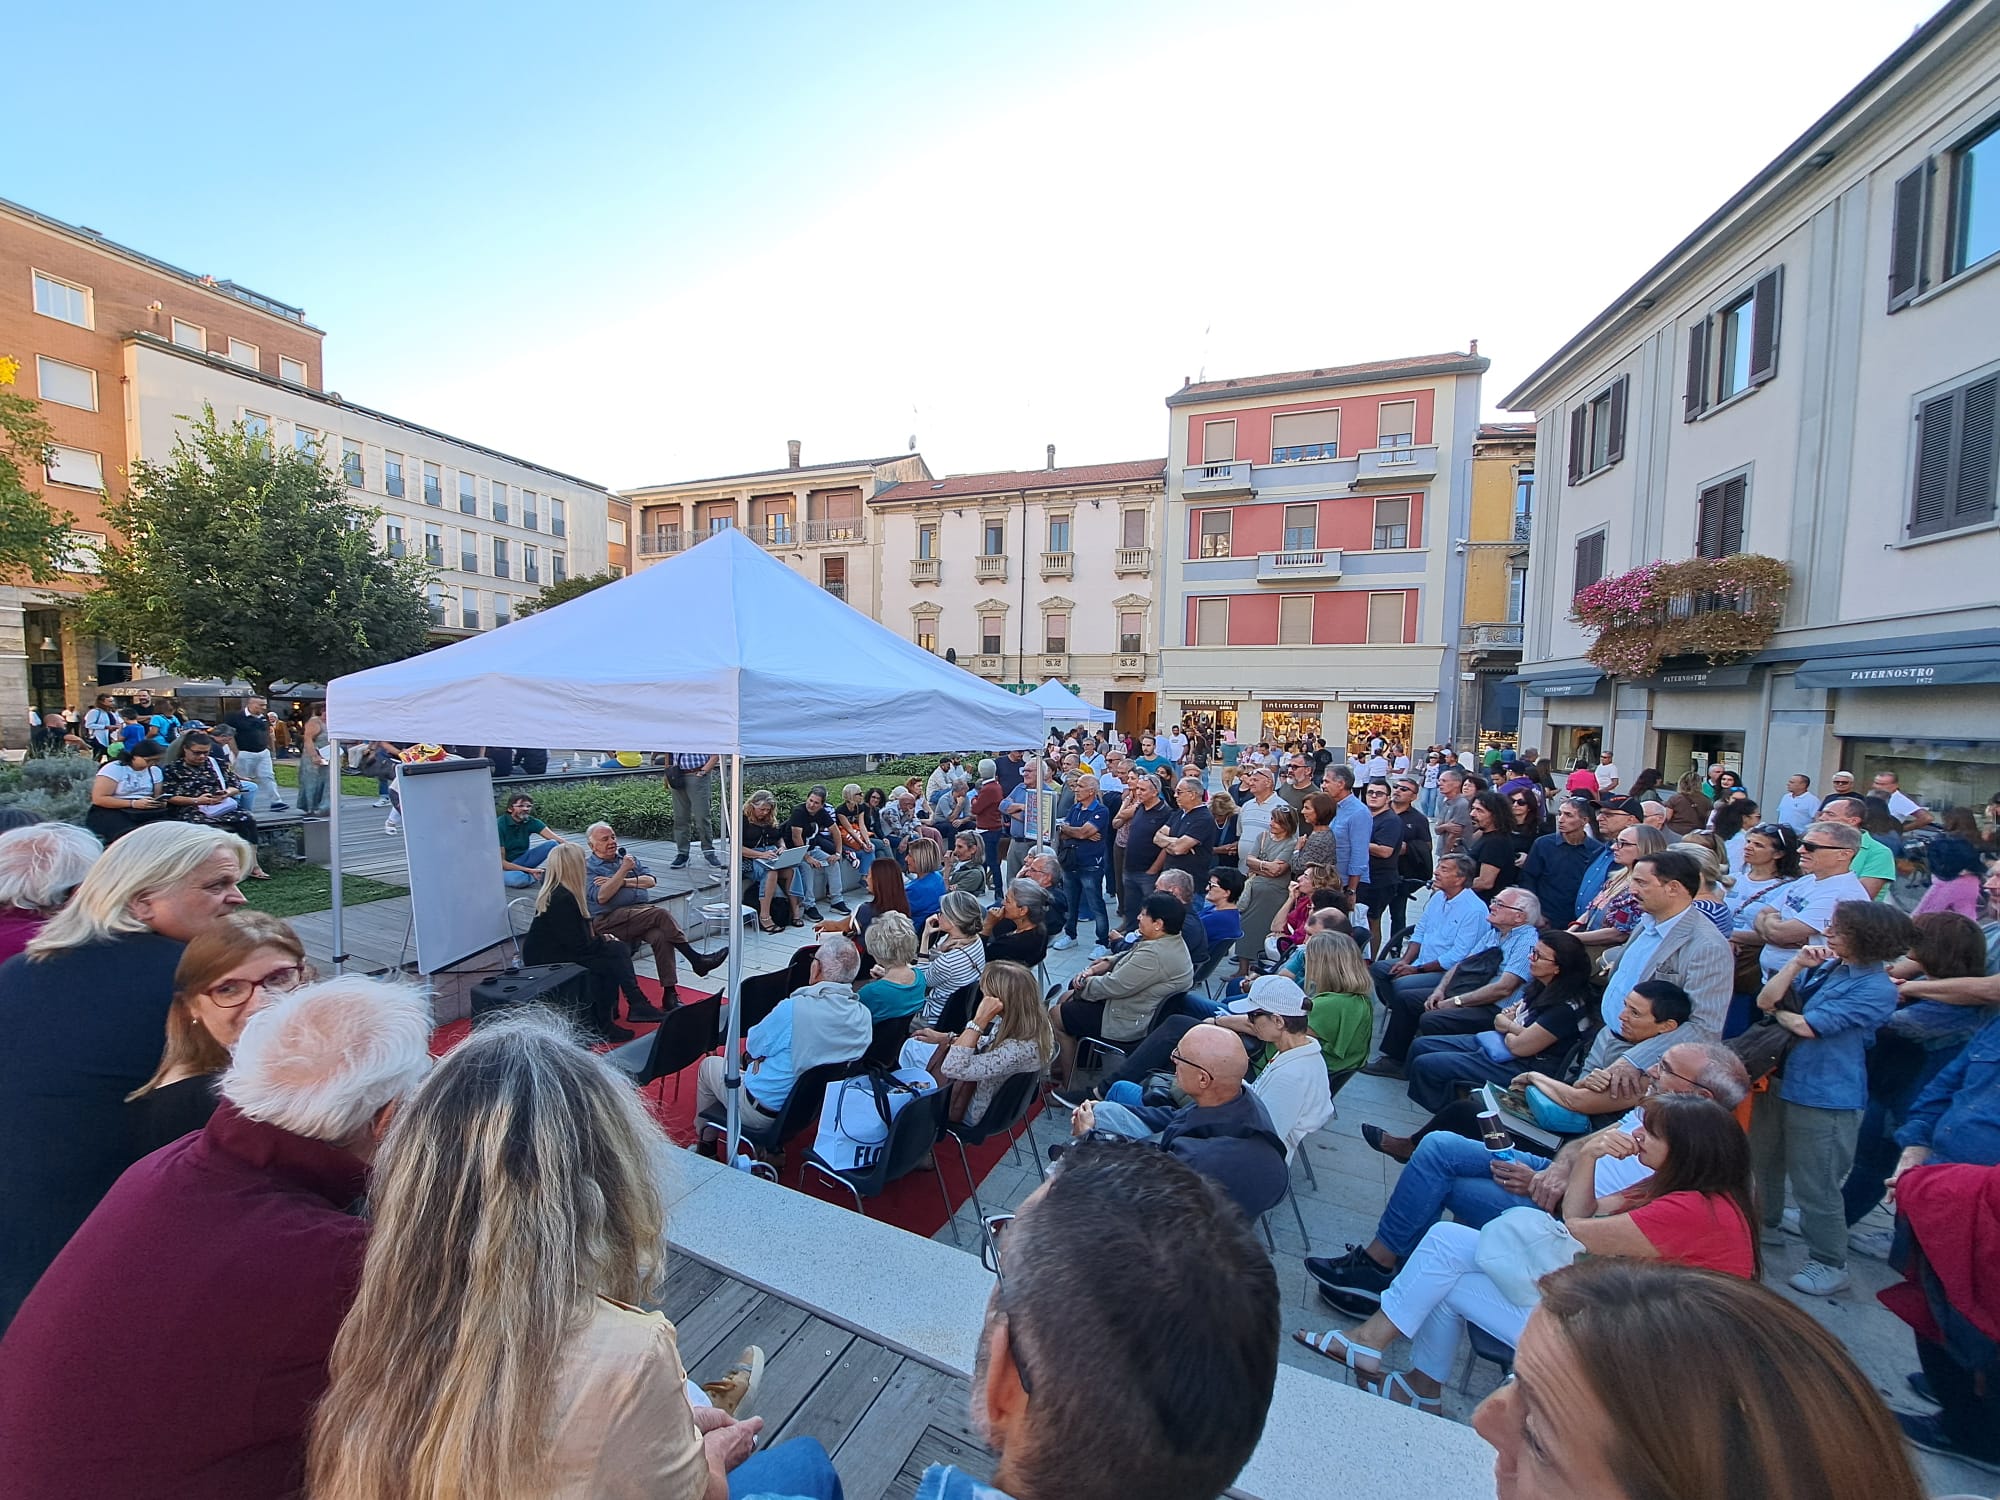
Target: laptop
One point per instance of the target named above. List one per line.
(787, 860)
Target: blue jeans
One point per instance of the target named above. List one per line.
(797, 1468)
(1118, 1119)
(1084, 887)
(991, 837)
(1447, 1172)
(531, 860)
(1126, 1093)
(312, 786)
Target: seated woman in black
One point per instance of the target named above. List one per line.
(198, 788)
(1017, 929)
(125, 793)
(1528, 1036)
(561, 934)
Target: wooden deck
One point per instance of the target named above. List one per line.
(883, 1415)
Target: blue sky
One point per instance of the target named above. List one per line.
(646, 242)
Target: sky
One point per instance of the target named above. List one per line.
(649, 242)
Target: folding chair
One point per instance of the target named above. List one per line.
(913, 1135)
(1010, 1106)
(690, 1032)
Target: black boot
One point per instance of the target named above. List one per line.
(703, 963)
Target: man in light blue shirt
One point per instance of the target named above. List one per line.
(1513, 926)
(1798, 808)
(1452, 925)
(1352, 826)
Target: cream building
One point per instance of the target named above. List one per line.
(814, 517)
(1810, 375)
(497, 528)
(1023, 576)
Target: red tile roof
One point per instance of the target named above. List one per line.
(1453, 363)
(1014, 481)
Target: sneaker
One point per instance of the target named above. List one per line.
(381, 802)
(679, 861)
(643, 1013)
(841, 907)
(1100, 951)
(1818, 1279)
(392, 827)
(738, 1384)
(814, 914)
(1383, 1067)
(1065, 941)
(1789, 1221)
(1070, 1098)
(1920, 1387)
(1873, 1243)
(1354, 1273)
(1350, 1304)
(279, 806)
(1926, 1431)
(709, 855)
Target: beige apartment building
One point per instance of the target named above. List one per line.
(496, 528)
(1027, 575)
(814, 517)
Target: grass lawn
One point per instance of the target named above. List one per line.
(294, 890)
(286, 773)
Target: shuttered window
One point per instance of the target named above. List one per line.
(1385, 618)
(1589, 561)
(1211, 622)
(1301, 436)
(1909, 239)
(1215, 528)
(1719, 517)
(1597, 430)
(1295, 620)
(1218, 442)
(1736, 348)
(1396, 424)
(1955, 472)
(1134, 533)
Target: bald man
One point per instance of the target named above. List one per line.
(1223, 1132)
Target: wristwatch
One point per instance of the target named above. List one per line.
(1458, 1002)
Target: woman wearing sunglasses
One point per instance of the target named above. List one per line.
(225, 974)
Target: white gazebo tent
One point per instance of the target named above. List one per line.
(722, 650)
(1061, 706)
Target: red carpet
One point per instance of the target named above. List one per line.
(913, 1203)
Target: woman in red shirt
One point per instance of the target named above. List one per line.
(1696, 1209)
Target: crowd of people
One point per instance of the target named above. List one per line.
(441, 1270)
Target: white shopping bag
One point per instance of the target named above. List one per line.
(854, 1119)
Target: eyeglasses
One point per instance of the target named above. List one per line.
(231, 993)
(1181, 1062)
(1660, 1069)
(1623, 843)
(990, 1230)
(1809, 847)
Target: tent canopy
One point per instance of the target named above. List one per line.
(1060, 706)
(721, 650)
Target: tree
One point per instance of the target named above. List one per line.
(562, 593)
(34, 539)
(246, 560)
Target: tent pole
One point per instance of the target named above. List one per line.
(337, 763)
(732, 892)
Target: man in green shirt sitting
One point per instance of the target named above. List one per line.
(520, 856)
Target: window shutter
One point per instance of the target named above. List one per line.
(1614, 447)
(1764, 326)
(1734, 492)
(1909, 240)
(1930, 505)
(1697, 387)
(1707, 523)
(1972, 494)
(1577, 421)
(1589, 561)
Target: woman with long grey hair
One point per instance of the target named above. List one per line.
(496, 1345)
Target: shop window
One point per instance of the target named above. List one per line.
(1940, 774)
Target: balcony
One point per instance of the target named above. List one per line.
(660, 543)
(983, 666)
(1130, 560)
(1054, 664)
(990, 567)
(1315, 564)
(1404, 465)
(1130, 664)
(841, 529)
(434, 556)
(1305, 453)
(836, 587)
(1524, 529)
(398, 547)
(1216, 481)
(1058, 564)
(1505, 637)
(926, 570)
(773, 531)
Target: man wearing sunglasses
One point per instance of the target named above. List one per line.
(1801, 914)
(1224, 1132)
(1128, 1258)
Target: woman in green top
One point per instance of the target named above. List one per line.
(1343, 1011)
(898, 987)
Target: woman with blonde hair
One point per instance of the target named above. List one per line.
(897, 988)
(560, 934)
(225, 974)
(924, 890)
(1008, 1034)
(1614, 911)
(496, 1346)
(764, 841)
(1339, 996)
(40, 864)
(83, 1009)
(1713, 902)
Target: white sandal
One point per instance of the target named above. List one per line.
(1395, 1388)
(1322, 1344)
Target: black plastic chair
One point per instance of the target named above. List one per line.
(885, 1047)
(1010, 1106)
(913, 1135)
(800, 1109)
(761, 994)
(958, 1008)
(690, 1032)
(1096, 1050)
(1483, 1345)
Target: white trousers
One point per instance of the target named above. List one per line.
(1439, 1290)
(255, 766)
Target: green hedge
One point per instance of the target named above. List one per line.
(644, 808)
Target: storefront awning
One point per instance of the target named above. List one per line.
(1575, 684)
(1691, 679)
(1892, 669)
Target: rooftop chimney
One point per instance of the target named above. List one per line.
(792, 452)
(1475, 347)
(1052, 455)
